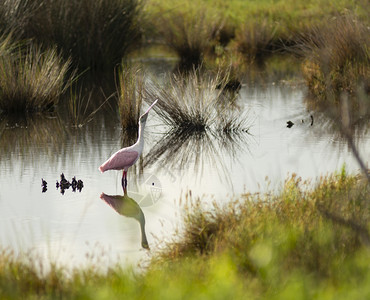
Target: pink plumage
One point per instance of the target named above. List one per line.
(121, 160)
(126, 157)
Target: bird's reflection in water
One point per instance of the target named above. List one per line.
(128, 207)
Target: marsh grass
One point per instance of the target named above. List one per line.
(191, 32)
(131, 90)
(256, 41)
(336, 57)
(31, 79)
(196, 102)
(96, 34)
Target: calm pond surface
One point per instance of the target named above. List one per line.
(65, 227)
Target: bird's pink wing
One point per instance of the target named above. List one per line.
(120, 160)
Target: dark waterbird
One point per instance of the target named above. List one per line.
(44, 185)
(289, 124)
(64, 184)
(80, 185)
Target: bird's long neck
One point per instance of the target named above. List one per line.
(144, 241)
(140, 138)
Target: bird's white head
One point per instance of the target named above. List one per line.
(144, 116)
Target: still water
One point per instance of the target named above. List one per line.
(78, 227)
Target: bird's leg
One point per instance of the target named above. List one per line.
(124, 182)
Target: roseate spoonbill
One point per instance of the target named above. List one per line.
(126, 157)
(128, 207)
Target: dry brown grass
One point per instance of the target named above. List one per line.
(31, 79)
(337, 57)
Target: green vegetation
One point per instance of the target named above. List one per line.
(191, 32)
(283, 20)
(97, 35)
(302, 243)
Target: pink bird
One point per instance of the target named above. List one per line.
(126, 157)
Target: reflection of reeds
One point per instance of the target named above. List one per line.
(184, 149)
(130, 95)
(31, 79)
(39, 139)
(195, 102)
(27, 137)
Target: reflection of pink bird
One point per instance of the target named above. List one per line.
(128, 207)
(126, 157)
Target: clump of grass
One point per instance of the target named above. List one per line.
(255, 41)
(96, 34)
(130, 95)
(195, 102)
(337, 57)
(31, 79)
(190, 32)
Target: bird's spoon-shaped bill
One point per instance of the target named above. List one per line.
(150, 107)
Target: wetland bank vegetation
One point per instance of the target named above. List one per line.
(302, 243)
(310, 240)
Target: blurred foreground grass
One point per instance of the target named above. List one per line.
(302, 243)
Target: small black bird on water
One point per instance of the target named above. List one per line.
(80, 185)
(44, 185)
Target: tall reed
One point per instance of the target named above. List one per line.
(130, 95)
(31, 79)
